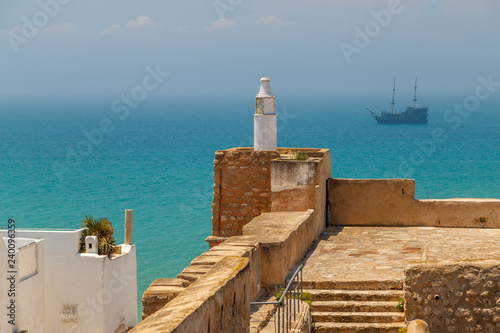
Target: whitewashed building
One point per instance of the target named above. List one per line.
(54, 288)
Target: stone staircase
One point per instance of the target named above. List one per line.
(356, 307)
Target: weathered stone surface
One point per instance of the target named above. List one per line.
(358, 317)
(360, 310)
(391, 202)
(284, 237)
(170, 282)
(159, 293)
(356, 295)
(207, 259)
(358, 327)
(240, 174)
(419, 326)
(260, 315)
(455, 297)
(299, 324)
(217, 302)
(354, 306)
(193, 272)
(243, 190)
(372, 257)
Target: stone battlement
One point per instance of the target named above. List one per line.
(270, 211)
(391, 202)
(248, 183)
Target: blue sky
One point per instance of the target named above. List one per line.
(103, 47)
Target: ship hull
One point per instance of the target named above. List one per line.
(410, 116)
(396, 121)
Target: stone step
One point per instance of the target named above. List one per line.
(358, 317)
(170, 282)
(358, 327)
(194, 272)
(191, 277)
(354, 285)
(207, 259)
(159, 293)
(354, 306)
(355, 295)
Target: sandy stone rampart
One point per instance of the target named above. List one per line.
(454, 297)
(391, 202)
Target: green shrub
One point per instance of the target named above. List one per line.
(301, 156)
(306, 297)
(401, 304)
(103, 229)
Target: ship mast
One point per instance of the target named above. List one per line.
(415, 95)
(393, 92)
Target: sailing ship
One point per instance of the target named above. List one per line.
(412, 115)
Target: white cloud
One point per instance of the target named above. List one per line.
(273, 20)
(111, 30)
(222, 23)
(61, 29)
(142, 22)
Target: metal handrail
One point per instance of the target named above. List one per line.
(289, 299)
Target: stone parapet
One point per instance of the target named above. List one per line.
(284, 238)
(273, 244)
(219, 302)
(248, 183)
(244, 226)
(159, 293)
(242, 188)
(391, 202)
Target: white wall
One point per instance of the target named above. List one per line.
(120, 281)
(31, 295)
(104, 290)
(29, 292)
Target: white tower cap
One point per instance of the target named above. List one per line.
(265, 88)
(265, 121)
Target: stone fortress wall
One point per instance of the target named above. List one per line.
(242, 190)
(391, 202)
(256, 242)
(248, 183)
(454, 296)
(271, 242)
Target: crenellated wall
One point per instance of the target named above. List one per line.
(268, 209)
(272, 244)
(220, 302)
(248, 183)
(391, 202)
(242, 190)
(302, 185)
(284, 238)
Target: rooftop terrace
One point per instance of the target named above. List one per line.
(374, 254)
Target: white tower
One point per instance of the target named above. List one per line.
(265, 129)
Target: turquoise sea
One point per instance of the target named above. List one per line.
(158, 160)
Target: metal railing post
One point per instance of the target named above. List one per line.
(288, 302)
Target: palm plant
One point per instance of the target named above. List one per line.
(103, 229)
